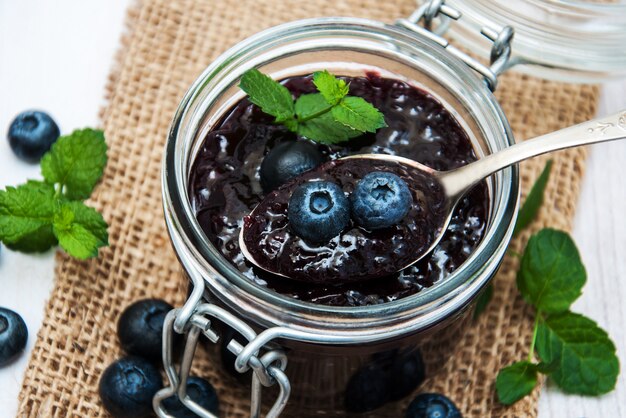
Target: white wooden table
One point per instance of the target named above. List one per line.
(56, 56)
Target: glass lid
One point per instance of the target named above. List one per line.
(568, 40)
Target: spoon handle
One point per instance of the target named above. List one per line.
(609, 128)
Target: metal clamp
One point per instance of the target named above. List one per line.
(501, 38)
(268, 369)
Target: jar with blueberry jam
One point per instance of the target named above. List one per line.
(347, 347)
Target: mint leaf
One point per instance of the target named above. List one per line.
(81, 230)
(358, 114)
(272, 97)
(551, 274)
(327, 117)
(26, 214)
(331, 88)
(76, 162)
(316, 122)
(516, 381)
(308, 105)
(534, 200)
(585, 354)
(325, 130)
(483, 300)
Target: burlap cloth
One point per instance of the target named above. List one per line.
(167, 44)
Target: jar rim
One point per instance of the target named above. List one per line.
(362, 323)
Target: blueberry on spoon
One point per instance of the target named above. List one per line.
(380, 200)
(318, 211)
(31, 134)
(13, 335)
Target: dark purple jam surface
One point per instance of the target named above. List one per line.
(225, 186)
(356, 254)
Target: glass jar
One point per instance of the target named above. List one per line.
(327, 345)
(564, 40)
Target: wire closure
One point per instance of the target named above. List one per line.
(268, 370)
(501, 38)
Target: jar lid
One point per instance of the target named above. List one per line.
(567, 40)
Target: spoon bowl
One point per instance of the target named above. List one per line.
(435, 194)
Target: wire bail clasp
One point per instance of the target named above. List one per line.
(268, 369)
(501, 38)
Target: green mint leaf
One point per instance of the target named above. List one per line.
(358, 114)
(272, 97)
(308, 105)
(81, 230)
(26, 214)
(325, 130)
(551, 274)
(483, 300)
(317, 123)
(547, 368)
(534, 200)
(516, 381)
(331, 88)
(586, 356)
(76, 162)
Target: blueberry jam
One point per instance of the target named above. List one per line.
(225, 184)
(356, 254)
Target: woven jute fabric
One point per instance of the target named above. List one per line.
(166, 46)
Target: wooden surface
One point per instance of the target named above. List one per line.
(600, 233)
(56, 56)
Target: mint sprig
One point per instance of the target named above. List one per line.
(577, 354)
(38, 215)
(571, 349)
(329, 117)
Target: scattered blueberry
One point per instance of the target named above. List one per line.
(318, 211)
(408, 373)
(140, 328)
(127, 387)
(201, 392)
(368, 389)
(31, 134)
(287, 160)
(380, 200)
(13, 335)
(432, 405)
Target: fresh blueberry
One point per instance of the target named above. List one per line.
(408, 373)
(287, 160)
(31, 135)
(127, 387)
(367, 389)
(13, 335)
(380, 200)
(140, 328)
(201, 392)
(432, 405)
(318, 211)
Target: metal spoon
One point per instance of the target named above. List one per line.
(456, 183)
